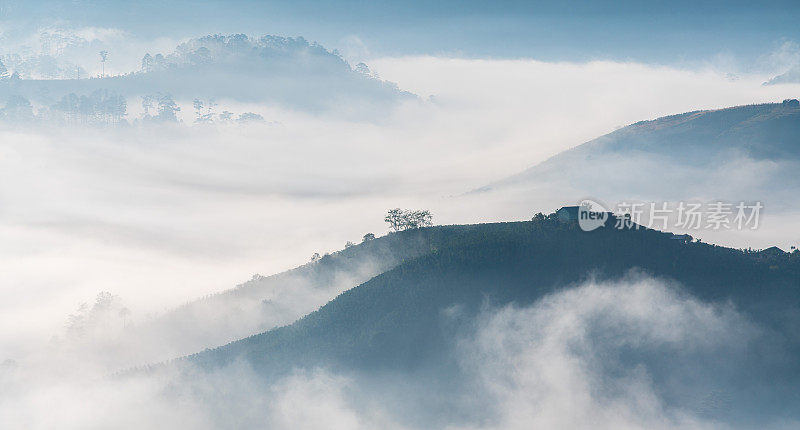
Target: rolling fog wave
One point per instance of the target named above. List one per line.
(638, 353)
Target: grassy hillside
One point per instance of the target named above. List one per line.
(407, 317)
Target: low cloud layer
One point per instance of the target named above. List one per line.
(604, 356)
(638, 353)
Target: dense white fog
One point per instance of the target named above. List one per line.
(162, 215)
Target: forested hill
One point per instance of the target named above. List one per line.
(408, 317)
(287, 71)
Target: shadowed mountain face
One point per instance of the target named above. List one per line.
(411, 319)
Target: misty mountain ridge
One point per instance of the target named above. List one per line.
(289, 72)
(236, 50)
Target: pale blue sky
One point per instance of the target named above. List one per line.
(661, 32)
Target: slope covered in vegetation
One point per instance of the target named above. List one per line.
(396, 319)
(406, 328)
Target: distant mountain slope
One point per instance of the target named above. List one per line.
(409, 319)
(698, 139)
(287, 71)
(745, 153)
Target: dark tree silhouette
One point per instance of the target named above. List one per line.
(400, 220)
